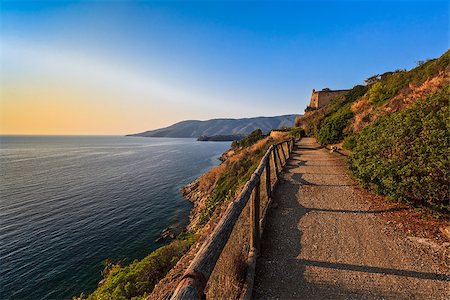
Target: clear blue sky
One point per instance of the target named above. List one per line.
(151, 63)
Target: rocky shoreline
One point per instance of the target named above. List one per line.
(200, 190)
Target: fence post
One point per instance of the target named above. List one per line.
(287, 150)
(282, 152)
(268, 181)
(254, 216)
(275, 160)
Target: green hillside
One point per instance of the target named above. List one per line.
(397, 128)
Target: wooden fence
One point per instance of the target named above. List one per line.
(195, 279)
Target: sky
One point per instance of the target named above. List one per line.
(118, 67)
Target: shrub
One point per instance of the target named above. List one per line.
(349, 142)
(351, 96)
(405, 155)
(297, 132)
(383, 90)
(139, 278)
(332, 128)
(249, 140)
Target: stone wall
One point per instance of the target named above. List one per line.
(324, 97)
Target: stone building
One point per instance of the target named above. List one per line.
(324, 97)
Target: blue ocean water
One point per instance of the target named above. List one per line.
(68, 203)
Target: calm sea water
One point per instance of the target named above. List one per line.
(69, 203)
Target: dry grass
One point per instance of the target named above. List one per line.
(226, 281)
(229, 273)
(366, 113)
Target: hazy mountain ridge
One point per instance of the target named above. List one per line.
(213, 127)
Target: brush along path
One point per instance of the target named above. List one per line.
(322, 241)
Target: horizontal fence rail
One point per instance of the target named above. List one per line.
(195, 279)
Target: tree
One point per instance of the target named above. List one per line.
(372, 80)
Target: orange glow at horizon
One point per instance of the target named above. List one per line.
(70, 111)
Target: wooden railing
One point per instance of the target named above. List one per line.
(195, 279)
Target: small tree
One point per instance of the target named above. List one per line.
(371, 80)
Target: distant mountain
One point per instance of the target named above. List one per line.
(214, 127)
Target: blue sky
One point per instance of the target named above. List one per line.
(149, 64)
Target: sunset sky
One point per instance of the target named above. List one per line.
(117, 67)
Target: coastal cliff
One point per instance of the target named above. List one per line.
(156, 275)
(210, 194)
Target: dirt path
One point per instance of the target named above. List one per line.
(323, 242)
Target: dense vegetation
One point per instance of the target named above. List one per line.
(248, 140)
(330, 129)
(405, 155)
(136, 280)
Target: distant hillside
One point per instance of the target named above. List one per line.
(215, 127)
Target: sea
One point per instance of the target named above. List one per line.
(69, 203)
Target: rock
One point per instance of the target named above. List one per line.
(166, 233)
(445, 232)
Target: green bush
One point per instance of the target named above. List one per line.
(249, 140)
(349, 142)
(332, 128)
(351, 96)
(297, 132)
(138, 279)
(405, 155)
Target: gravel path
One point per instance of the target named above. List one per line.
(323, 242)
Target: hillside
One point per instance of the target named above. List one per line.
(215, 127)
(396, 127)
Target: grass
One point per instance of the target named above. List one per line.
(235, 176)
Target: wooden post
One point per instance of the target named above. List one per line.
(254, 216)
(275, 161)
(282, 152)
(268, 182)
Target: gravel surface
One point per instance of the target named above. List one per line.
(322, 240)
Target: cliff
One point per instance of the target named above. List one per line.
(210, 194)
(156, 275)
